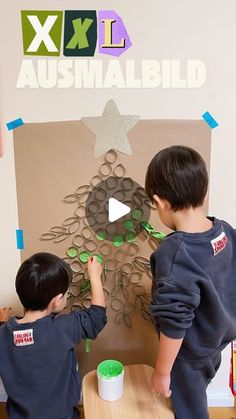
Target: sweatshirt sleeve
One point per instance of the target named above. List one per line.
(175, 290)
(173, 308)
(89, 322)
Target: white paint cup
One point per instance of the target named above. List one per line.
(110, 375)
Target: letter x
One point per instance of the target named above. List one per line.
(79, 38)
(42, 33)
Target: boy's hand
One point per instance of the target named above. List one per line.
(161, 384)
(94, 268)
(4, 314)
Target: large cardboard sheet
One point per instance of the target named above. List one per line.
(52, 160)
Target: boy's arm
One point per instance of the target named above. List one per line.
(89, 322)
(173, 308)
(95, 272)
(167, 352)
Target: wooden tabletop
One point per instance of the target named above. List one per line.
(137, 401)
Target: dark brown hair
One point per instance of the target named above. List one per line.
(179, 175)
(40, 278)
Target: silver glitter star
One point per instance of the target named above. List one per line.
(111, 129)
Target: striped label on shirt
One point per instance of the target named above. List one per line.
(219, 243)
(23, 337)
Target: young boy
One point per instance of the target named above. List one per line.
(37, 357)
(194, 282)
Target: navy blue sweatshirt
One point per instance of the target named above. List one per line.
(194, 289)
(38, 364)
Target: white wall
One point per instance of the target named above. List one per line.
(159, 29)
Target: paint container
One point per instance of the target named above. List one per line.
(110, 375)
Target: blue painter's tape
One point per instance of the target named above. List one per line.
(20, 239)
(15, 124)
(210, 120)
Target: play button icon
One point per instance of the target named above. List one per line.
(116, 210)
(116, 207)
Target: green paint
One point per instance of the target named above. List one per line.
(101, 235)
(72, 252)
(100, 258)
(158, 235)
(130, 237)
(129, 225)
(88, 345)
(85, 286)
(85, 256)
(137, 214)
(146, 226)
(118, 240)
(110, 369)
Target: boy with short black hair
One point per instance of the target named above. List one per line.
(194, 282)
(38, 364)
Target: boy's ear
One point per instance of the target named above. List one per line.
(156, 199)
(206, 196)
(159, 202)
(55, 301)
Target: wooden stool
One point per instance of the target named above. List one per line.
(137, 401)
